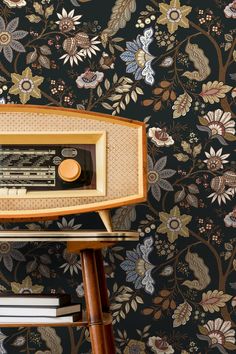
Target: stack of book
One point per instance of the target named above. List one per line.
(35, 308)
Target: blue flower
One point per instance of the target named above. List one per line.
(138, 59)
(138, 268)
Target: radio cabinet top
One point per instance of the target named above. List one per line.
(56, 161)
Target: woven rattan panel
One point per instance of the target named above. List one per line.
(122, 162)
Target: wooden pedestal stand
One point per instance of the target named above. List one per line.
(89, 244)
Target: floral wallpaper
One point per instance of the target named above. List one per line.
(170, 64)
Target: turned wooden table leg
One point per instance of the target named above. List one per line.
(110, 342)
(93, 302)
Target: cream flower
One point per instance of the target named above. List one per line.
(230, 10)
(174, 224)
(15, 3)
(218, 124)
(174, 15)
(67, 21)
(215, 159)
(230, 219)
(222, 195)
(219, 334)
(135, 346)
(26, 85)
(160, 346)
(159, 137)
(89, 79)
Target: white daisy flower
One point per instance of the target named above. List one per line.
(215, 159)
(222, 196)
(90, 48)
(67, 21)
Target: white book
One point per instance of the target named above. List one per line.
(34, 300)
(25, 320)
(39, 310)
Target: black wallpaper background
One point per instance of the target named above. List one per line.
(174, 291)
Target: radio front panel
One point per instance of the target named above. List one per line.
(34, 168)
(26, 169)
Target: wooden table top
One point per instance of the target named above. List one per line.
(68, 235)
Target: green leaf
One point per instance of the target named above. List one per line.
(181, 157)
(33, 18)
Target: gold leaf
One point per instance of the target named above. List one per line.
(200, 61)
(230, 137)
(38, 8)
(213, 91)
(234, 55)
(234, 264)
(200, 270)
(182, 314)
(213, 300)
(121, 14)
(230, 346)
(33, 18)
(186, 147)
(202, 330)
(49, 11)
(181, 157)
(203, 121)
(182, 105)
(197, 149)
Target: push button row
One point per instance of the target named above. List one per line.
(12, 192)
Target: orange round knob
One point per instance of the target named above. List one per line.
(69, 170)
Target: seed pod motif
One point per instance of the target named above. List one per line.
(82, 40)
(218, 184)
(70, 46)
(230, 178)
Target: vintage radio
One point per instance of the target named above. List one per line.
(56, 161)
